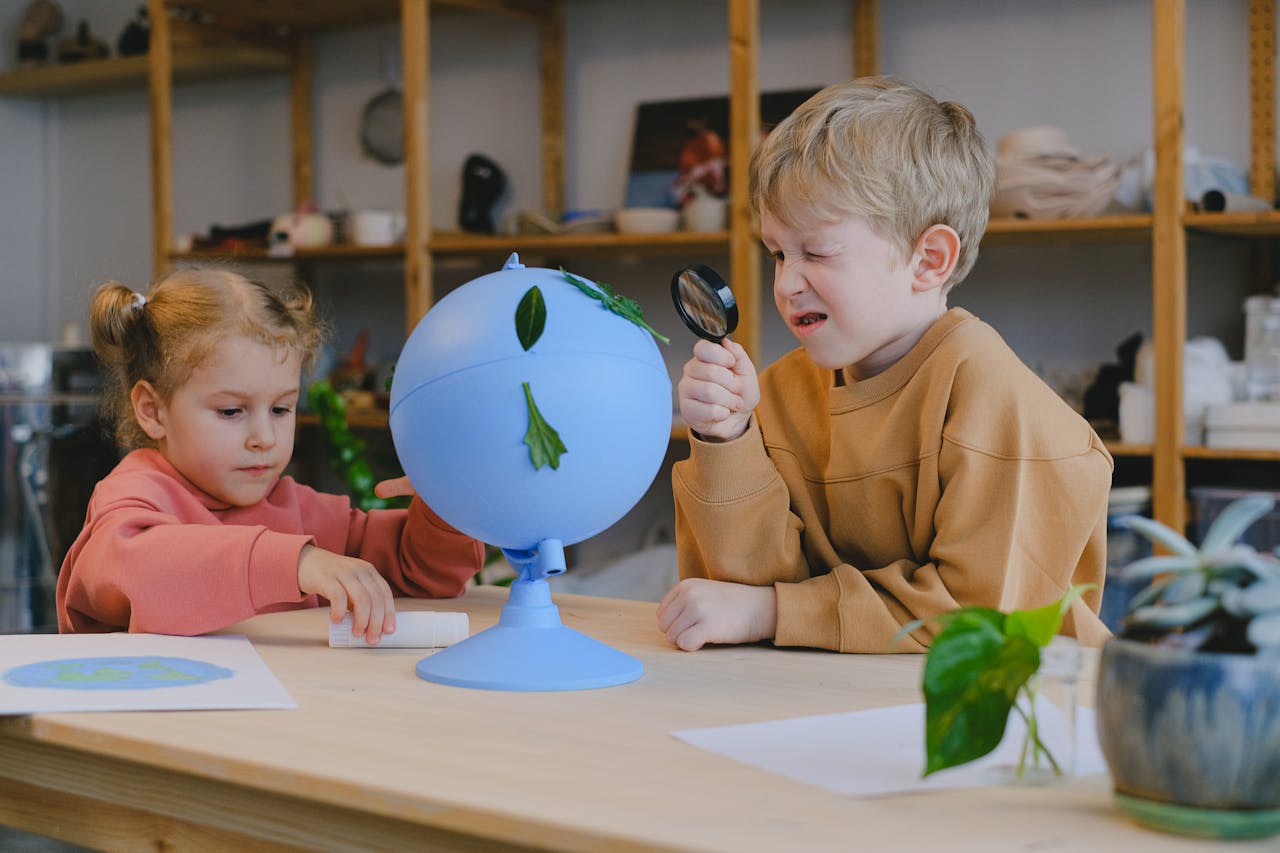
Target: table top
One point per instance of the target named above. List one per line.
(593, 769)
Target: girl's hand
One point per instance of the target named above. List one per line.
(398, 487)
(698, 611)
(349, 584)
(719, 390)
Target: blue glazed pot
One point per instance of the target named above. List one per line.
(1192, 731)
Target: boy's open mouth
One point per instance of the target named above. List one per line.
(810, 319)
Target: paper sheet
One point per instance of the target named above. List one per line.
(881, 751)
(133, 672)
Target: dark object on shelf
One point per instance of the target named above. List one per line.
(40, 22)
(135, 39)
(82, 46)
(232, 237)
(1102, 397)
(483, 182)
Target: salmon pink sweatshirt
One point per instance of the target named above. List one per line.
(159, 555)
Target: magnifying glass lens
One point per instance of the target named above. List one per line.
(705, 302)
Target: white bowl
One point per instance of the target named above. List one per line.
(647, 220)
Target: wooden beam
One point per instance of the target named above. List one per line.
(302, 152)
(1262, 99)
(551, 75)
(744, 131)
(866, 38)
(160, 103)
(415, 34)
(1169, 263)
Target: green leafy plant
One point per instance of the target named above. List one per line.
(545, 446)
(345, 451)
(628, 309)
(976, 669)
(1223, 596)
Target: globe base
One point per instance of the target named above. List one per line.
(529, 649)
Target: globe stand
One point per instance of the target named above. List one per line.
(529, 648)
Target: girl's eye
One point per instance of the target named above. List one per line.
(281, 410)
(228, 413)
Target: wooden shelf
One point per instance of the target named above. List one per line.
(1119, 448)
(323, 253)
(123, 74)
(1096, 229)
(333, 14)
(1266, 224)
(376, 419)
(460, 243)
(1198, 452)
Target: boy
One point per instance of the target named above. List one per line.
(903, 462)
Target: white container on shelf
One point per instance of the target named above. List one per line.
(1244, 426)
(1262, 348)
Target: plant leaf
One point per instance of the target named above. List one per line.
(1233, 521)
(531, 317)
(1149, 567)
(1264, 631)
(1041, 624)
(627, 309)
(1160, 534)
(545, 446)
(1172, 615)
(972, 676)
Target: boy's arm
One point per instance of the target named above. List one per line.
(1010, 534)
(733, 516)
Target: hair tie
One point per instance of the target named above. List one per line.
(139, 300)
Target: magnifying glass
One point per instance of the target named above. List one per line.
(704, 302)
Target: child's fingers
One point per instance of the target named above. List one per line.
(337, 604)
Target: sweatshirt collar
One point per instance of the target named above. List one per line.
(855, 393)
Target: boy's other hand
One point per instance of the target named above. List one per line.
(398, 487)
(719, 390)
(349, 584)
(698, 611)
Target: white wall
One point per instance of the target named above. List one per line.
(74, 177)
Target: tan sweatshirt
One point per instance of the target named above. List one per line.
(954, 478)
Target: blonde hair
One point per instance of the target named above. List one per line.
(163, 337)
(883, 150)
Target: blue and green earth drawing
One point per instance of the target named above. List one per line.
(116, 673)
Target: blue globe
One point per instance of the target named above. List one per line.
(460, 411)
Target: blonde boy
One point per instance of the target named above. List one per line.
(903, 462)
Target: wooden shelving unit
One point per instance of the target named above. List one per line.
(290, 24)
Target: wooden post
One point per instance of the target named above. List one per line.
(160, 98)
(300, 121)
(744, 134)
(551, 44)
(1169, 263)
(1262, 129)
(415, 31)
(866, 38)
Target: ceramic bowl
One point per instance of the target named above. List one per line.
(647, 220)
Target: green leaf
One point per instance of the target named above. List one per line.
(972, 676)
(1149, 567)
(531, 317)
(545, 446)
(1041, 624)
(627, 309)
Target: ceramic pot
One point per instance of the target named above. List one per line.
(1192, 738)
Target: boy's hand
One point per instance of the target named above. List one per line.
(349, 584)
(718, 390)
(698, 611)
(399, 487)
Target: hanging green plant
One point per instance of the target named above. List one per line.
(346, 452)
(545, 446)
(627, 309)
(531, 318)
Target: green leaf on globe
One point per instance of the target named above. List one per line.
(545, 446)
(531, 317)
(627, 309)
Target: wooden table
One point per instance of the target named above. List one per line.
(375, 758)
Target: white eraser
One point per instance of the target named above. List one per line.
(418, 629)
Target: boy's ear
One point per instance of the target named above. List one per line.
(147, 409)
(935, 257)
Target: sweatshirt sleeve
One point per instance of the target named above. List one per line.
(733, 514)
(418, 553)
(1011, 534)
(137, 567)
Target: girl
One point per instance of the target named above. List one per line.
(196, 528)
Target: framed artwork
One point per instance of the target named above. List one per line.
(680, 148)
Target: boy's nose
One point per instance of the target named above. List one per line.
(787, 281)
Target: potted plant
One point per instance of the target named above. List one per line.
(1188, 701)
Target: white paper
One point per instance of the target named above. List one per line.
(133, 672)
(881, 751)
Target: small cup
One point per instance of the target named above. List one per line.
(376, 227)
(704, 213)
